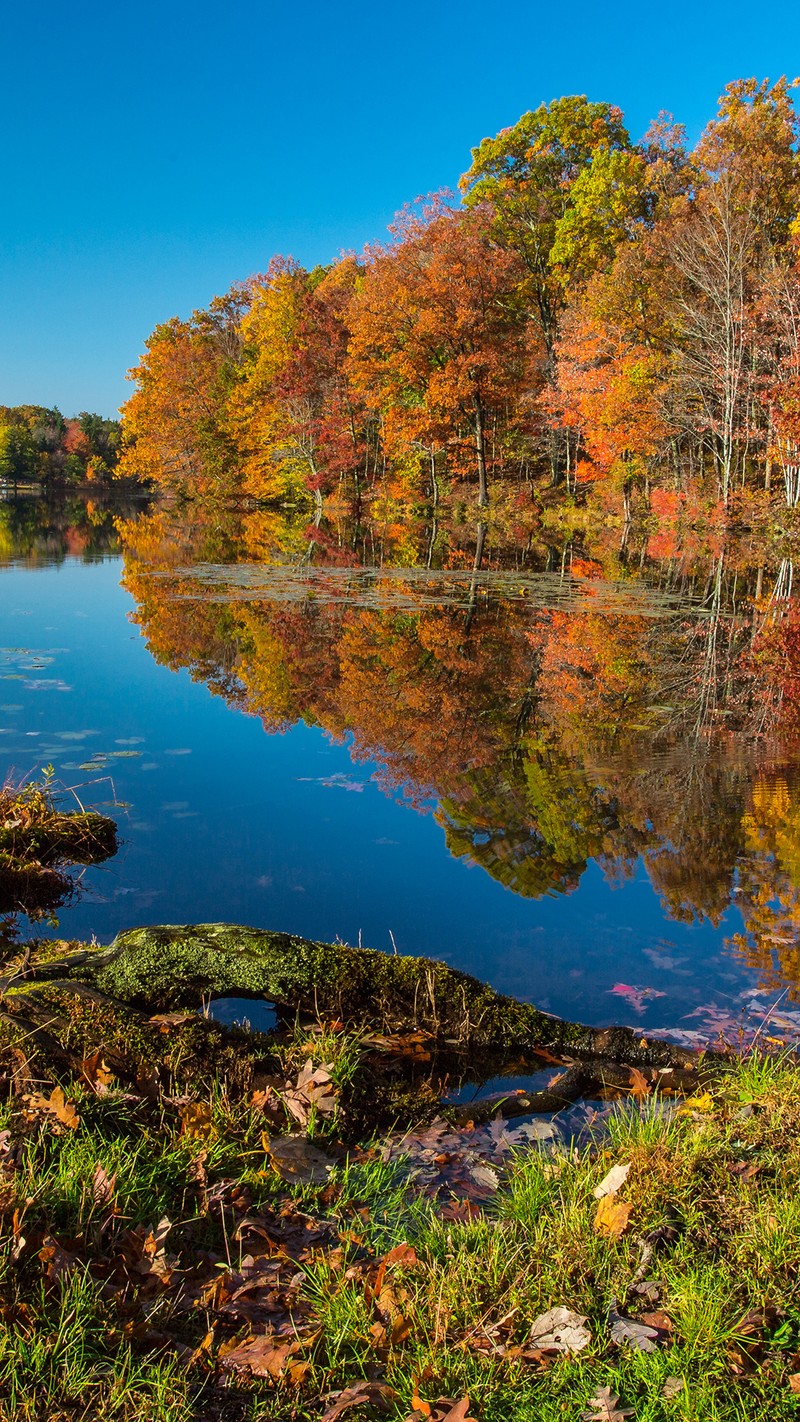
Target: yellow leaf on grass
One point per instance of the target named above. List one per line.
(612, 1217)
(56, 1106)
(197, 1124)
(700, 1105)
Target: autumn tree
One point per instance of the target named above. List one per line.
(175, 422)
(721, 239)
(439, 344)
(547, 193)
(298, 424)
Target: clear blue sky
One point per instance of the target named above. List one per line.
(154, 153)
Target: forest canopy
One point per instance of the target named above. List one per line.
(592, 314)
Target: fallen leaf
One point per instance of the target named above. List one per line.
(744, 1171)
(404, 1254)
(313, 1089)
(58, 1263)
(445, 1410)
(102, 1185)
(672, 1387)
(55, 1105)
(268, 1101)
(606, 1408)
(165, 1020)
(197, 1122)
(648, 1290)
(626, 1330)
(612, 1217)
(457, 1413)
(261, 1357)
(560, 1331)
(697, 1105)
(640, 1086)
(794, 1383)
(297, 1160)
(96, 1074)
(611, 1182)
(357, 1396)
(659, 1320)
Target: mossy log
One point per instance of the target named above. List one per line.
(160, 969)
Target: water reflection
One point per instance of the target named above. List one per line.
(568, 767)
(553, 705)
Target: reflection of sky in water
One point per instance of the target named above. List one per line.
(221, 821)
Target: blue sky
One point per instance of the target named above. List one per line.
(155, 153)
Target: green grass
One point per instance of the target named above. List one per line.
(88, 1346)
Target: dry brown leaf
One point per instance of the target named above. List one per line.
(165, 1020)
(95, 1073)
(297, 1160)
(672, 1387)
(628, 1330)
(357, 1396)
(607, 1409)
(404, 1254)
(560, 1331)
(612, 1217)
(447, 1410)
(55, 1105)
(612, 1182)
(640, 1086)
(658, 1319)
(261, 1357)
(313, 1090)
(103, 1185)
(794, 1383)
(58, 1263)
(744, 1171)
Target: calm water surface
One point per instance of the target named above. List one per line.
(561, 782)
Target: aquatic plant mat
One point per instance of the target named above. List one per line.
(39, 845)
(204, 1222)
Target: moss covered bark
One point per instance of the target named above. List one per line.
(172, 966)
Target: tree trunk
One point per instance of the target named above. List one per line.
(480, 451)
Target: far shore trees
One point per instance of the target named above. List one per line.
(597, 312)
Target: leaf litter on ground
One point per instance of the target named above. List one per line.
(560, 1331)
(604, 1407)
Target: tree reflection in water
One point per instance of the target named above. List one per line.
(551, 706)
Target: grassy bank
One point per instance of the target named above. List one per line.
(157, 1252)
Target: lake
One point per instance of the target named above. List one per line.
(571, 771)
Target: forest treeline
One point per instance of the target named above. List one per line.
(41, 446)
(593, 315)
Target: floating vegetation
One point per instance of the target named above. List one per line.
(408, 589)
(39, 843)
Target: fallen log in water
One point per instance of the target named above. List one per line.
(163, 968)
